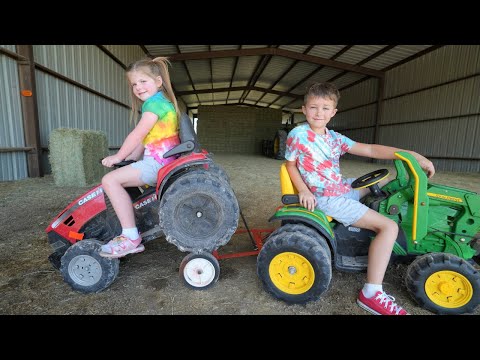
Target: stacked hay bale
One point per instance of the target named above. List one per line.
(75, 156)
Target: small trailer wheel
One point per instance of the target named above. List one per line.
(199, 271)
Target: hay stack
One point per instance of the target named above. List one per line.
(75, 156)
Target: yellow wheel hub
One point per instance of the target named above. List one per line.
(276, 145)
(448, 289)
(291, 273)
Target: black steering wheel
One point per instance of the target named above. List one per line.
(371, 180)
(121, 163)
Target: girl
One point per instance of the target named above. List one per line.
(153, 136)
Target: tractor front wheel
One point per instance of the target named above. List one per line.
(294, 266)
(444, 283)
(85, 270)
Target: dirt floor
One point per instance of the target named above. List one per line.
(149, 283)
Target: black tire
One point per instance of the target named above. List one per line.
(280, 144)
(219, 172)
(198, 212)
(306, 230)
(267, 148)
(199, 271)
(301, 268)
(443, 283)
(85, 270)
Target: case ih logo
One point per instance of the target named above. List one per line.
(90, 196)
(145, 202)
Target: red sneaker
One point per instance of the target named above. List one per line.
(380, 304)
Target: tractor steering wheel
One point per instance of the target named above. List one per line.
(371, 180)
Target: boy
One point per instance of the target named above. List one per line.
(313, 153)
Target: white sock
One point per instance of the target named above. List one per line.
(369, 290)
(131, 233)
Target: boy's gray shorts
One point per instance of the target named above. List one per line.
(149, 170)
(345, 208)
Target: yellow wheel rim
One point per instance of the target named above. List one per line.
(276, 145)
(291, 273)
(448, 289)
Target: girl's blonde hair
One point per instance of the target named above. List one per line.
(153, 68)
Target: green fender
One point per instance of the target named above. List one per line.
(317, 219)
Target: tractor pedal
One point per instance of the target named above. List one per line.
(351, 263)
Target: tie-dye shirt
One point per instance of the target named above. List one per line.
(164, 134)
(318, 159)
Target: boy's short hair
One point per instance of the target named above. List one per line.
(324, 90)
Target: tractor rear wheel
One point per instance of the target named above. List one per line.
(280, 144)
(443, 283)
(198, 212)
(295, 266)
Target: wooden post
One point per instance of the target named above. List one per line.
(28, 100)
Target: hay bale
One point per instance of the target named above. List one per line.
(75, 156)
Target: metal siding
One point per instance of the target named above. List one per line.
(161, 50)
(358, 53)
(254, 95)
(359, 135)
(298, 72)
(13, 165)
(97, 70)
(325, 51)
(245, 68)
(268, 98)
(61, 104)
(127, 54)
(454, 99)
(254, 46)
(224, 47)
(200, 73)
(222, 85)
(347, 79)
(182, 82)
(295, 48)
(192, 48)
(220, 97)
(295, 105)
(273, 70)
(445, 64)
(359, 117)
(222, 70)
(9, 47)
(439, 138)
(363, 93)
(394, 55)
(323, 75)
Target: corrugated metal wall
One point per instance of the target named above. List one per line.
(13, 165)
(431, 105)
(65, 104)
(127, 54)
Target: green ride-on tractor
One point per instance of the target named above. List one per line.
(439, 232)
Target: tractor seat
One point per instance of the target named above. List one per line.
(188, 138)
(289, 192)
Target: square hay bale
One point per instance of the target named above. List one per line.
(75, 156)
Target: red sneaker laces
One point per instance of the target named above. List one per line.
(388, 301)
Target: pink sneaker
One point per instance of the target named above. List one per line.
(380, 304)
(120, 246)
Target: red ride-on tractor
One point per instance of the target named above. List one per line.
(193, 206)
